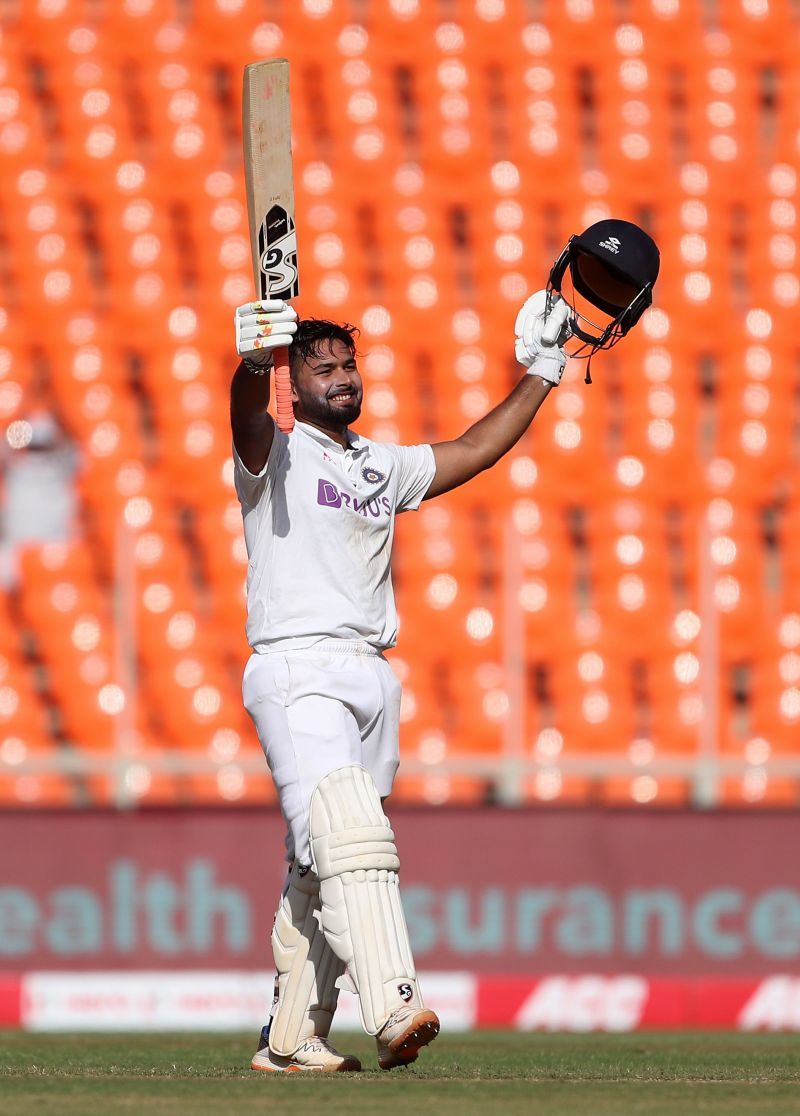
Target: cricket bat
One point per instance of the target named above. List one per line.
(267, 133)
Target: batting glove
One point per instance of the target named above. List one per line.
(262, 327)
(540, 336)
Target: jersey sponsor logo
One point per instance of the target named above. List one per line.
(372, 476)
(329, 496)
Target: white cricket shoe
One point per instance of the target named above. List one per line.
(313, 1055)
(404, 1034)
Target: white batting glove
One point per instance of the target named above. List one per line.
(262, 327)
(540, 336)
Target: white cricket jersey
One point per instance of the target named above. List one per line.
(319, 527)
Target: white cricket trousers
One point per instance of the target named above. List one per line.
(317, 710)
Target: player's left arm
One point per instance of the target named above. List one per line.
(484, 443)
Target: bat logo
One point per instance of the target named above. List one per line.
(277, 246)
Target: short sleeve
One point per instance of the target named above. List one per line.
(250, 486)
(417, 468)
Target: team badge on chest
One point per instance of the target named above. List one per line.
(372, 476)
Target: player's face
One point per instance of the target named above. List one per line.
(327, 388)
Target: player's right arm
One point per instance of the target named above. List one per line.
(260, 328)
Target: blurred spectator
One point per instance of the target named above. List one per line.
(38, 501)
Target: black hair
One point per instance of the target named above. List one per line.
(313, 333)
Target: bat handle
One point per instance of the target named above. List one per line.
(283, 391)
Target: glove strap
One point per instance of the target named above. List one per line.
(548, 368)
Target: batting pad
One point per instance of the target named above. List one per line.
(356, 860)
(306, 965)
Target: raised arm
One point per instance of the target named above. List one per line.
(483, 444)
(489, 439)
(260, 328)
(251, 423)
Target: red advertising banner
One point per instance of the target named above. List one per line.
(498, 892)
(207, 999)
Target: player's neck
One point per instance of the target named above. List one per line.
(337, 434)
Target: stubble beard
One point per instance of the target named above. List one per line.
(323, 412)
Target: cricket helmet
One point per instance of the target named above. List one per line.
(613, 265)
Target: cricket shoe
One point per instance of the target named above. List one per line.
(313, 1055)
(404, 1034)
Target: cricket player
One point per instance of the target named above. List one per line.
(319, 506)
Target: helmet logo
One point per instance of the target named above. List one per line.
(612, 244)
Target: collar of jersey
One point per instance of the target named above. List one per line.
(354, 441)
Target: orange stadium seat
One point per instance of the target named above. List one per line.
(29, 774)
(75, 643)
(786, 109)
(760, 721)
(23, 711)
(758, 789)
(231, 786)
(185, 118)
(226, 32)
(17, 372)
(218, 526)
(789, 560)
(576, 29)
(131, 32)
(565, 606)
(138, 245)
(439, 790)
(665, 675)
(644, 789)
(143, 779)
(569, 441)
(24, 142)
(405, 29)
(49, 263)
(633, 120)
(217, 224)
(723, 99)
(91, 105)
(757, 33)
(630, 568)
(47, 24)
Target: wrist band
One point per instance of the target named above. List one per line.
(256, 369)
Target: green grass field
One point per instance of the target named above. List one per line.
(490, 1072)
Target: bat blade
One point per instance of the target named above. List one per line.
(269, 186)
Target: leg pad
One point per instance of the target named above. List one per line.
(307, 968)
(355, 858)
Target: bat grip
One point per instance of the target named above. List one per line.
(283, 391)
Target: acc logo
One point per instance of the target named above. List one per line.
(372, 476)
(406, 992)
